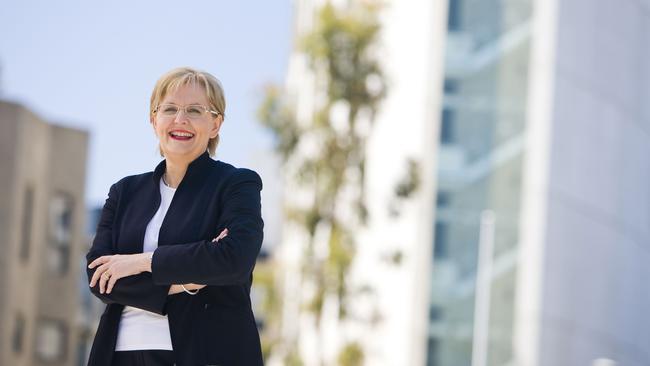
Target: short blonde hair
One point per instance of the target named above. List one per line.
(181, 76)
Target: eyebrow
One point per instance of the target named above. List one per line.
(195, 103)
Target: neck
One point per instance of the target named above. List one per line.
(174, 172)
(176, 168)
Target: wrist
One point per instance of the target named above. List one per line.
(189, 289)
(147, 258)
(174, 289)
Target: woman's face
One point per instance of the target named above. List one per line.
(182, 136)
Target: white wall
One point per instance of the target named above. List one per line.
(595, 296)
(412, 57)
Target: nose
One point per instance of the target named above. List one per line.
(180, 116)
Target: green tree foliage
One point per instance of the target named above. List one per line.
(351, 355)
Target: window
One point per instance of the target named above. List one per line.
(442, 199)
(447, 126)
(454, 21)
(451, 86)
(440, 246)
(51, 340)
(433, 351)
(18, 337)
(28, 211)
(435, 313)
(59, 247)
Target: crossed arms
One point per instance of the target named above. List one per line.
(143, 281)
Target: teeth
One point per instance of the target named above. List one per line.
(182, 134)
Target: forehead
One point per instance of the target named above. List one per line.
(190, 93)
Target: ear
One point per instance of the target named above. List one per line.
(218, 121)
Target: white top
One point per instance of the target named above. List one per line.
(141, 329)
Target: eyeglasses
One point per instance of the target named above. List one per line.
(193, 111)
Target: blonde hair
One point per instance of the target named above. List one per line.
(181, 76)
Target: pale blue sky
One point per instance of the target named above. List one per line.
(92, 65)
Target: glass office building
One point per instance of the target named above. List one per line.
(526, 242)
(479, 183)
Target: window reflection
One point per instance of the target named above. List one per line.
(480, 164)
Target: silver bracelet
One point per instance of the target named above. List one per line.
(190, 292)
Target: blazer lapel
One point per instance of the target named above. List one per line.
(178, 221)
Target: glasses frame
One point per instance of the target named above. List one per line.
(184, 109)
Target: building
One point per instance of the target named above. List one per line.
(525, 243)
(42, 210)
(551, 185)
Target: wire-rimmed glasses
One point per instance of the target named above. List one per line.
(193, 111)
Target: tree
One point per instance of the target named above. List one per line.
(342, 55)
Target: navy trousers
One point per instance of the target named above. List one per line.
(143, 358)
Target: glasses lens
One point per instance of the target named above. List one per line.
(168, 110)
(194, 111)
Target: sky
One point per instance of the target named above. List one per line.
(92, 65)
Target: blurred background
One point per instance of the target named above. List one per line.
(446, 183)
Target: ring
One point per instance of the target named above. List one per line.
(107, 275)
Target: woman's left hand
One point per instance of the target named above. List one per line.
(111, 268)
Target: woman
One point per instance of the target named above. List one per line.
(175, 248)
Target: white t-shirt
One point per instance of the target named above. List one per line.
(140, 329)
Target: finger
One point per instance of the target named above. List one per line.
(93, 280)
(222, 235)
(95, 277)
(111, 283)
(102, 284)
(98, 272)
(98, 261)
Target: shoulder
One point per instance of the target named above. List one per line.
(234, 176)
(130, 182)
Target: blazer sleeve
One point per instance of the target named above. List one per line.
(139, 290)
(231, 260)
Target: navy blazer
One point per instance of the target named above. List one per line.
(216, 326)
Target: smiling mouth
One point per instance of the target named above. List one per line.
(181, 136)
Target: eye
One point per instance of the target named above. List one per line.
(194, 111)
(169, 109)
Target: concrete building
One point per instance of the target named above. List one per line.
(526, 241)
(42, 210)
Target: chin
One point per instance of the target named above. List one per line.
(180, 152)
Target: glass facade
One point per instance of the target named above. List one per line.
(480, 166)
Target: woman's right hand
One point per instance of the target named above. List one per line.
(221, 235)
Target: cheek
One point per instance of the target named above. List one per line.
(204, 132)
(159, 129)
